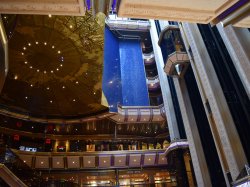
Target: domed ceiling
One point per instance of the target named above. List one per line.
(55, 66)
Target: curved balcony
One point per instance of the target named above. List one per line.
(127, 24)
(149, 58)
(137, 114)
(93, 160)
(174, 51)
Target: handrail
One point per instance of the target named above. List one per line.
(10, 178)
(140, 107)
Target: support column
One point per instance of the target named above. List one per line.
(237, 42)
(195, 146)
(166, 95)
(228, 145)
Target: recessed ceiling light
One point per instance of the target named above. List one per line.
(61, 65)
(37, 70)
(24, 48)
(24, 161)
(104, 161)
(89, 162)
(47, 88)
(110, 82)
(94, 93)
(16, 77)
(22, 53)
(77, 82)
(74, 100)
(134, 160)
(31, 85)
(44, 72)
(76, 129)
(58, 163)
(29, 44)
(37, 43)
(50, 15)
(71, 26)
(32, 127)
(58, 52)
(31, 67)
(25, 62)
(53, 46)
(63, 87)
(26, 97)
(57, 69)
(51, 101)
(41, 162)
(52, 71)
(73, 162)
(45, 43)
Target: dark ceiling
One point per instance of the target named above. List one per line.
(55, 66)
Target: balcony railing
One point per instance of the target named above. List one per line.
(93, 160)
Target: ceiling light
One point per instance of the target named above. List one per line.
(58, 52)
(58, 163)
(41, 162)
(22, 53)
(37, 70)
(29, 44)
(47, 88)
(52, 71)
(31, 67)
(57, 69)
(61, 65)
(25, 62)
(63, 87)
(50, 15)
(110, 82)
(16, 77)
(149, 159)
(31, 85)
(76, 129)
(24, 161)
(104, 161)
(45, 43)
(71, 26)
(77, 82)
(32, 127)
(74, 100)
(44, 72)
(53, 47)
(119, 161)
(89, 162)
(26, 97)
(73, 162)
(50, 101)
(37, 43)
(94, 93)
(134, 160)
(24, 48)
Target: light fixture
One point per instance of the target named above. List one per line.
(53, 46)
(58, 163)
(74, 100)
(73, 162)
(50, 15)
(29, 44)
(110, 82)
(71, 26)
(24, 161)
(32, 127)
(45, 43)
(41, 162)
(76, 129)
(149, 159)
(52, 71)
(77, 82)
(134, 160)
(94, 93)
(89, 162)
(37, 43)
(31, 85)
(44, 72)
(22, 53)
(26, 97)
(47, 88)
(57, 69)
(63, 87)
(37, 70)
(58, 52)
(31, 67)
(61, 65)
(119, 161)
(51, 101)
(104, 161)
(16, 77)
(24, 48)
(25, 62)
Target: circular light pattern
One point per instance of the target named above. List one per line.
(45, 44)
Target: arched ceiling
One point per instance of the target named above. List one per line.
(55, 66)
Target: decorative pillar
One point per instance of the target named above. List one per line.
(195, 146)
(166, 95)
(237, 41)
(228, 145)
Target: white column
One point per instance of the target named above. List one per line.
(197, 154)
(166, 95)
(229, 147)
(237, 41)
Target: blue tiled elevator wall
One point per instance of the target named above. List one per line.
(124, 80)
